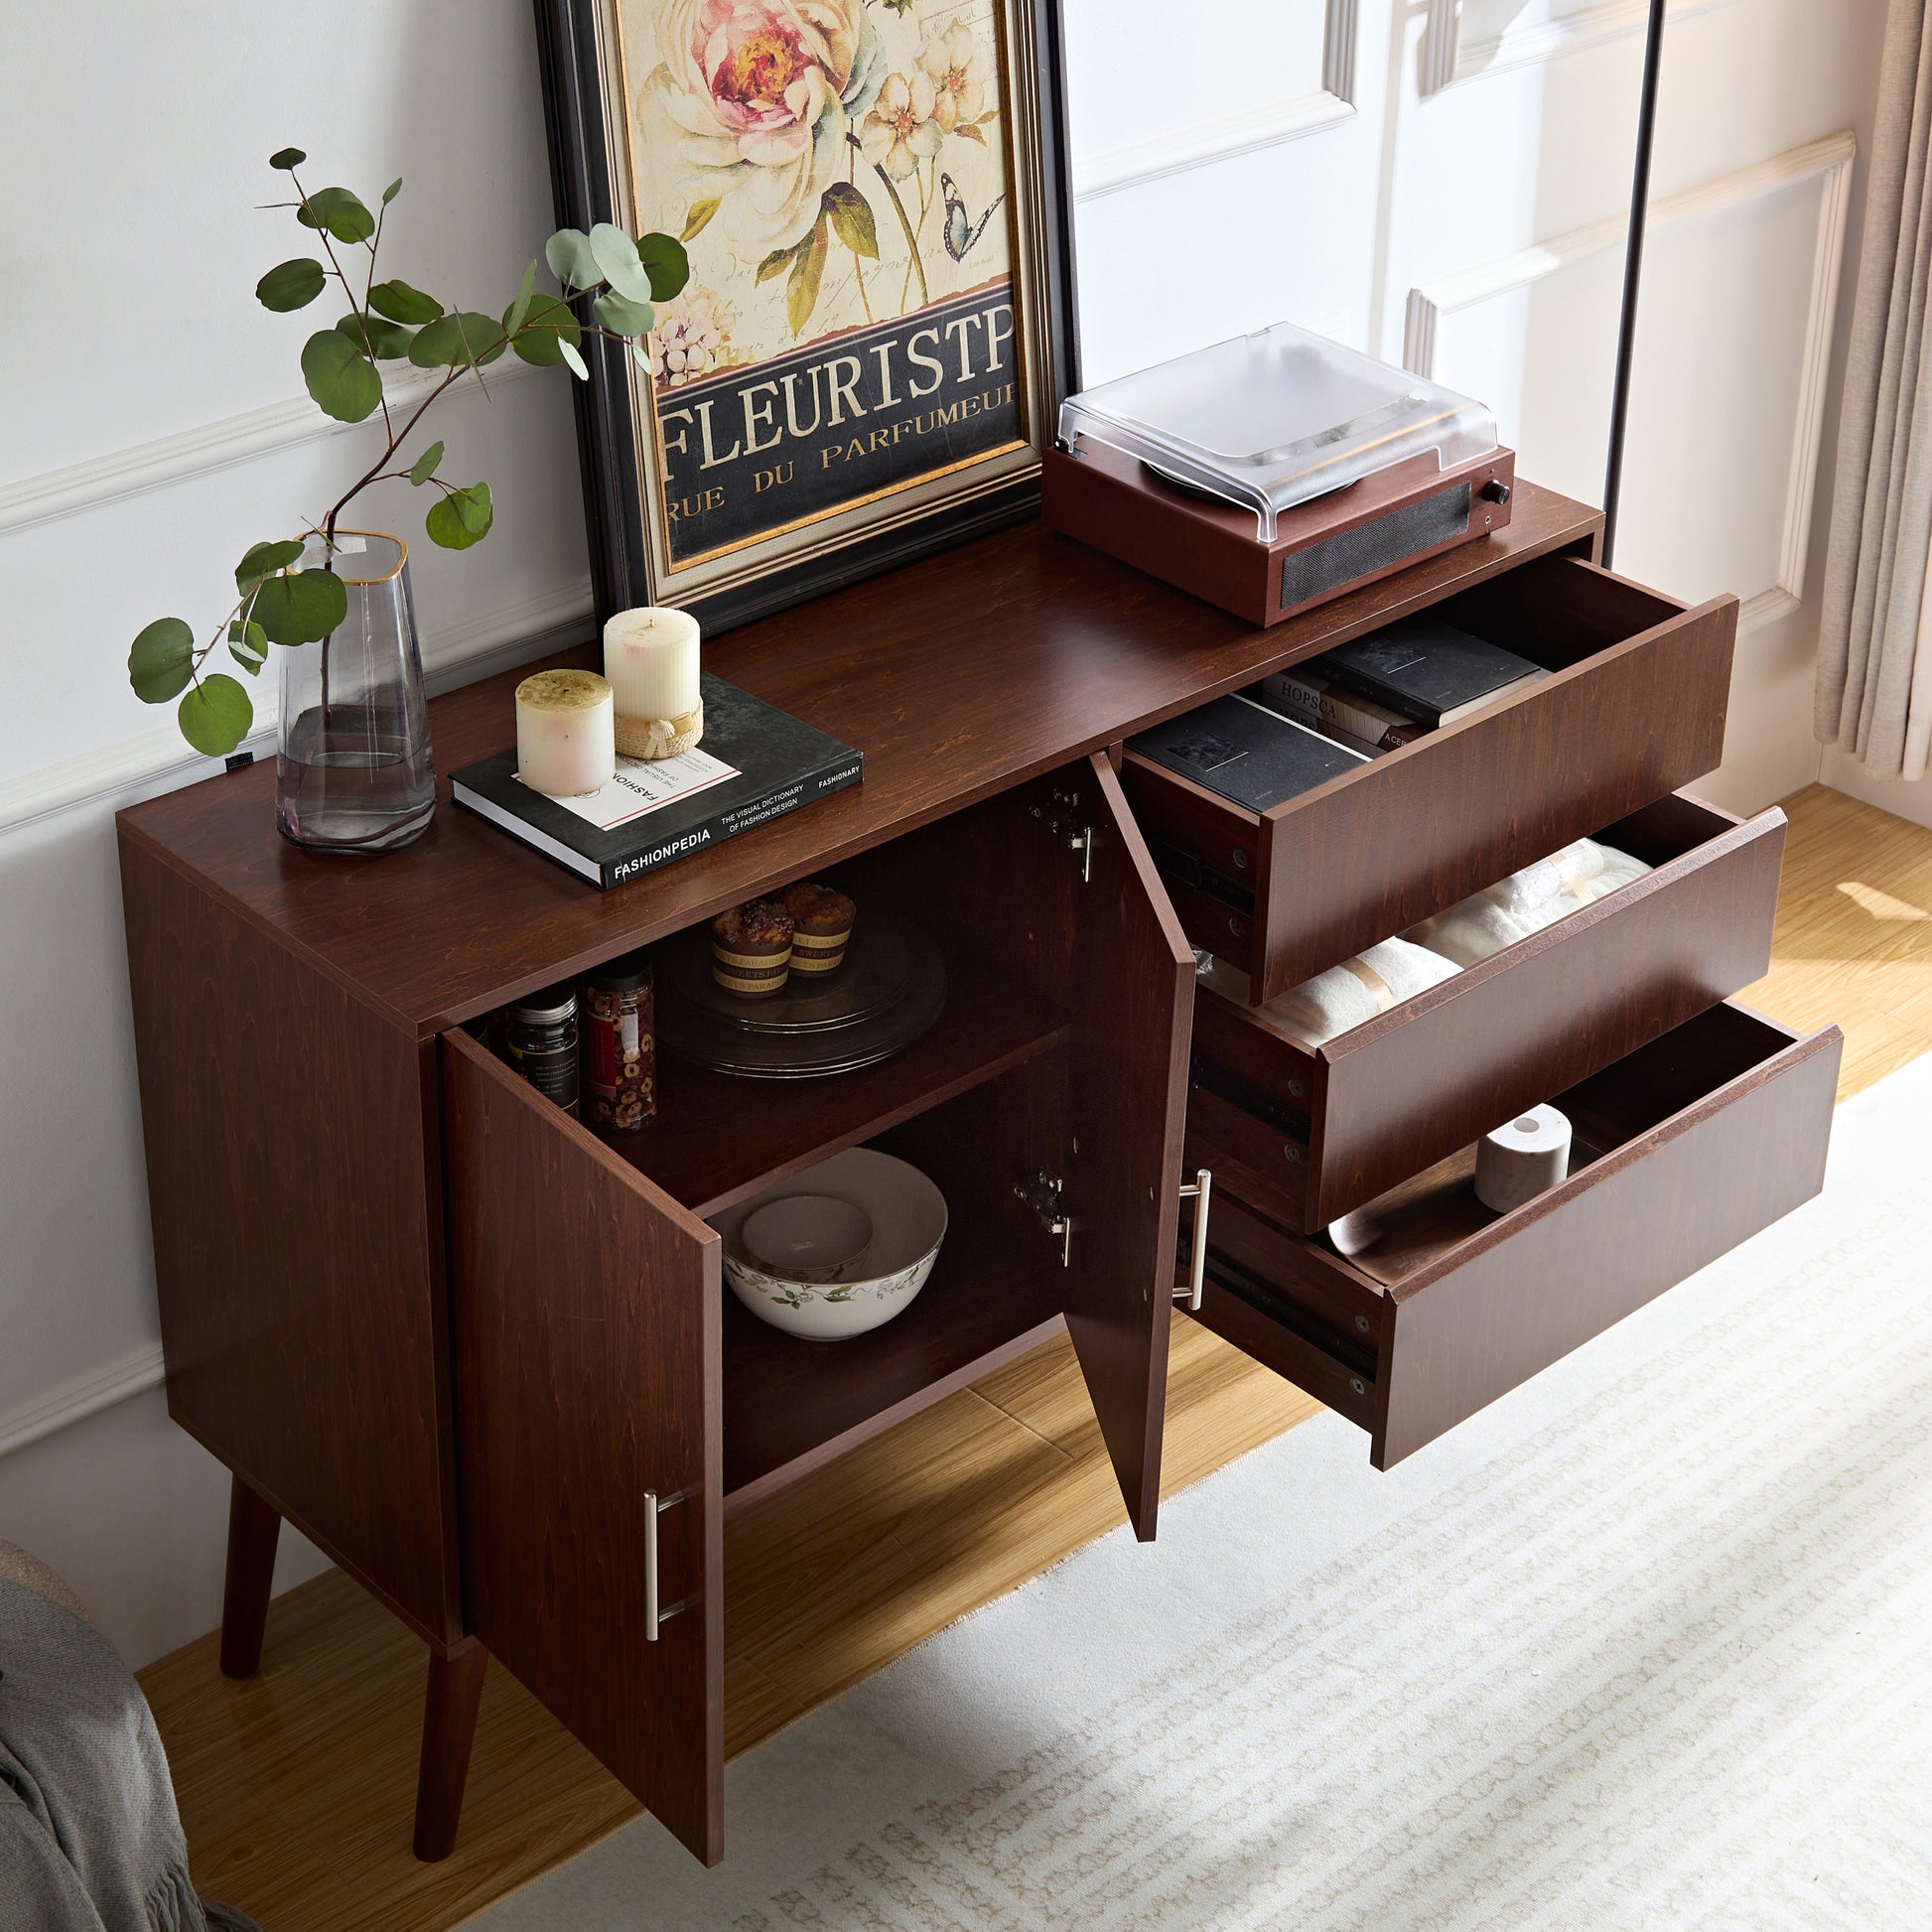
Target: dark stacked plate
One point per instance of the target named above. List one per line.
(890, 989)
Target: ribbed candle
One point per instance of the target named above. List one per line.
(650, 657)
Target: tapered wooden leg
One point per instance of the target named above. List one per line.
(253, 1528)
(449, 1730)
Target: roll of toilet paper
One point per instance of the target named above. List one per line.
(1520, 1158)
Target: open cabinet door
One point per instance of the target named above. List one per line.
(1134, 1004)
(585, 1309)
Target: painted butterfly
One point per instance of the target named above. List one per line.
(961, 234)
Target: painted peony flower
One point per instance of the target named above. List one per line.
(761, 93)
(900, 131)
(959, 67)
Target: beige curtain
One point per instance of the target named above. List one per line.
(1874, 651)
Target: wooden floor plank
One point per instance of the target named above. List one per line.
(296, 1787)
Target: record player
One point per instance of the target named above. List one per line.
(1274, 471)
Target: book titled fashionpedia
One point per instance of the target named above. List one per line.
(755, 762)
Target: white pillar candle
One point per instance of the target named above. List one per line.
(566, 738)
(650, 657)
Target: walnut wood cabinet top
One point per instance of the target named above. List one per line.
(958, 677)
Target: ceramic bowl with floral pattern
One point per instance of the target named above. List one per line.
(909, 1223)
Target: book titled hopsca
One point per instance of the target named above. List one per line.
(756, 762)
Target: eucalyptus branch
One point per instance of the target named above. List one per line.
(281, 600)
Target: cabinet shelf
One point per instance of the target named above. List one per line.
(793, 1405)
(721, 1136)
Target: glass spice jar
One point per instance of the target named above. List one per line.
(540, 1042)
(621, 1045)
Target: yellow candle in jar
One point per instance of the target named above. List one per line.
(566, 744)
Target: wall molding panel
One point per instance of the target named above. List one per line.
(198, 451)
(506, 634)
(1448, 55)
(1205, 142)
(1828, 162)
(78, 1398)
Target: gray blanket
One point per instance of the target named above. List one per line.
(89, 1837)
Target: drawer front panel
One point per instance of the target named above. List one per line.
(1586, 1254)
(1719, 1156)
(1445, 816)
(1390, 1097)
(1638, 712)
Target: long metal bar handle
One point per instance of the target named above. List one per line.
(654, 1507)
(1202, 1193)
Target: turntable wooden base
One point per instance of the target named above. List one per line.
(1321, 550)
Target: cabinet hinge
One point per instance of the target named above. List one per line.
(1062, 815)
(1043, 1195)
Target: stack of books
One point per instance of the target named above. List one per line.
(1382, 692)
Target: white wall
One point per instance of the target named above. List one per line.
(1315, 159)
(135, 146)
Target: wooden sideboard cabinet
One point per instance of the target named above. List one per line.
(482, 1356)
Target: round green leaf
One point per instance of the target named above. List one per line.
(339, 212)
(290, 285)
(400, 302)
(301, 607)
(572, 361)
(162, 660)
(385, 341)
(215, 716)
(669, 267)
(452, 341)
(249, 646)
(262, 558)
(424, 467)
(287, 158)
(616, 255)
(567, 253)
(461, 518)
(339, 377)
(546, 328)
(622, 317)
(641, 356)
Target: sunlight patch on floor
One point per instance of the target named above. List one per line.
(1882, 905)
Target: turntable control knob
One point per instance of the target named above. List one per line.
(1495, 490)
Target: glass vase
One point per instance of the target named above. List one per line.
(352, 769)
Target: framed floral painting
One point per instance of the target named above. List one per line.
(878, 326)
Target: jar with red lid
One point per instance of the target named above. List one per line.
(619, 1044)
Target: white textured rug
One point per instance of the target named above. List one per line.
(1647, 1644)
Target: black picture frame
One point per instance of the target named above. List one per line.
(572, 39)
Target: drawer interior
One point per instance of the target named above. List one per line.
(1636, 707)
(1331, 1320)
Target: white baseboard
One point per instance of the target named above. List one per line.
(80, 1396)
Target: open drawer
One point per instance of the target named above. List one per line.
(1686, 1147)
(1636, 709)
(1378, 1103)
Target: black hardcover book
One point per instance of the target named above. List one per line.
(1245, 752)
(755, 762)
(1429, 669)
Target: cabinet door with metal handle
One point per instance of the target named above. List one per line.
(585, 1307)
(1133, 1006)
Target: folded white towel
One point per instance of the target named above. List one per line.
(1358, 989)
(1527, 901)
(1565, 871)
(1479, 927)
